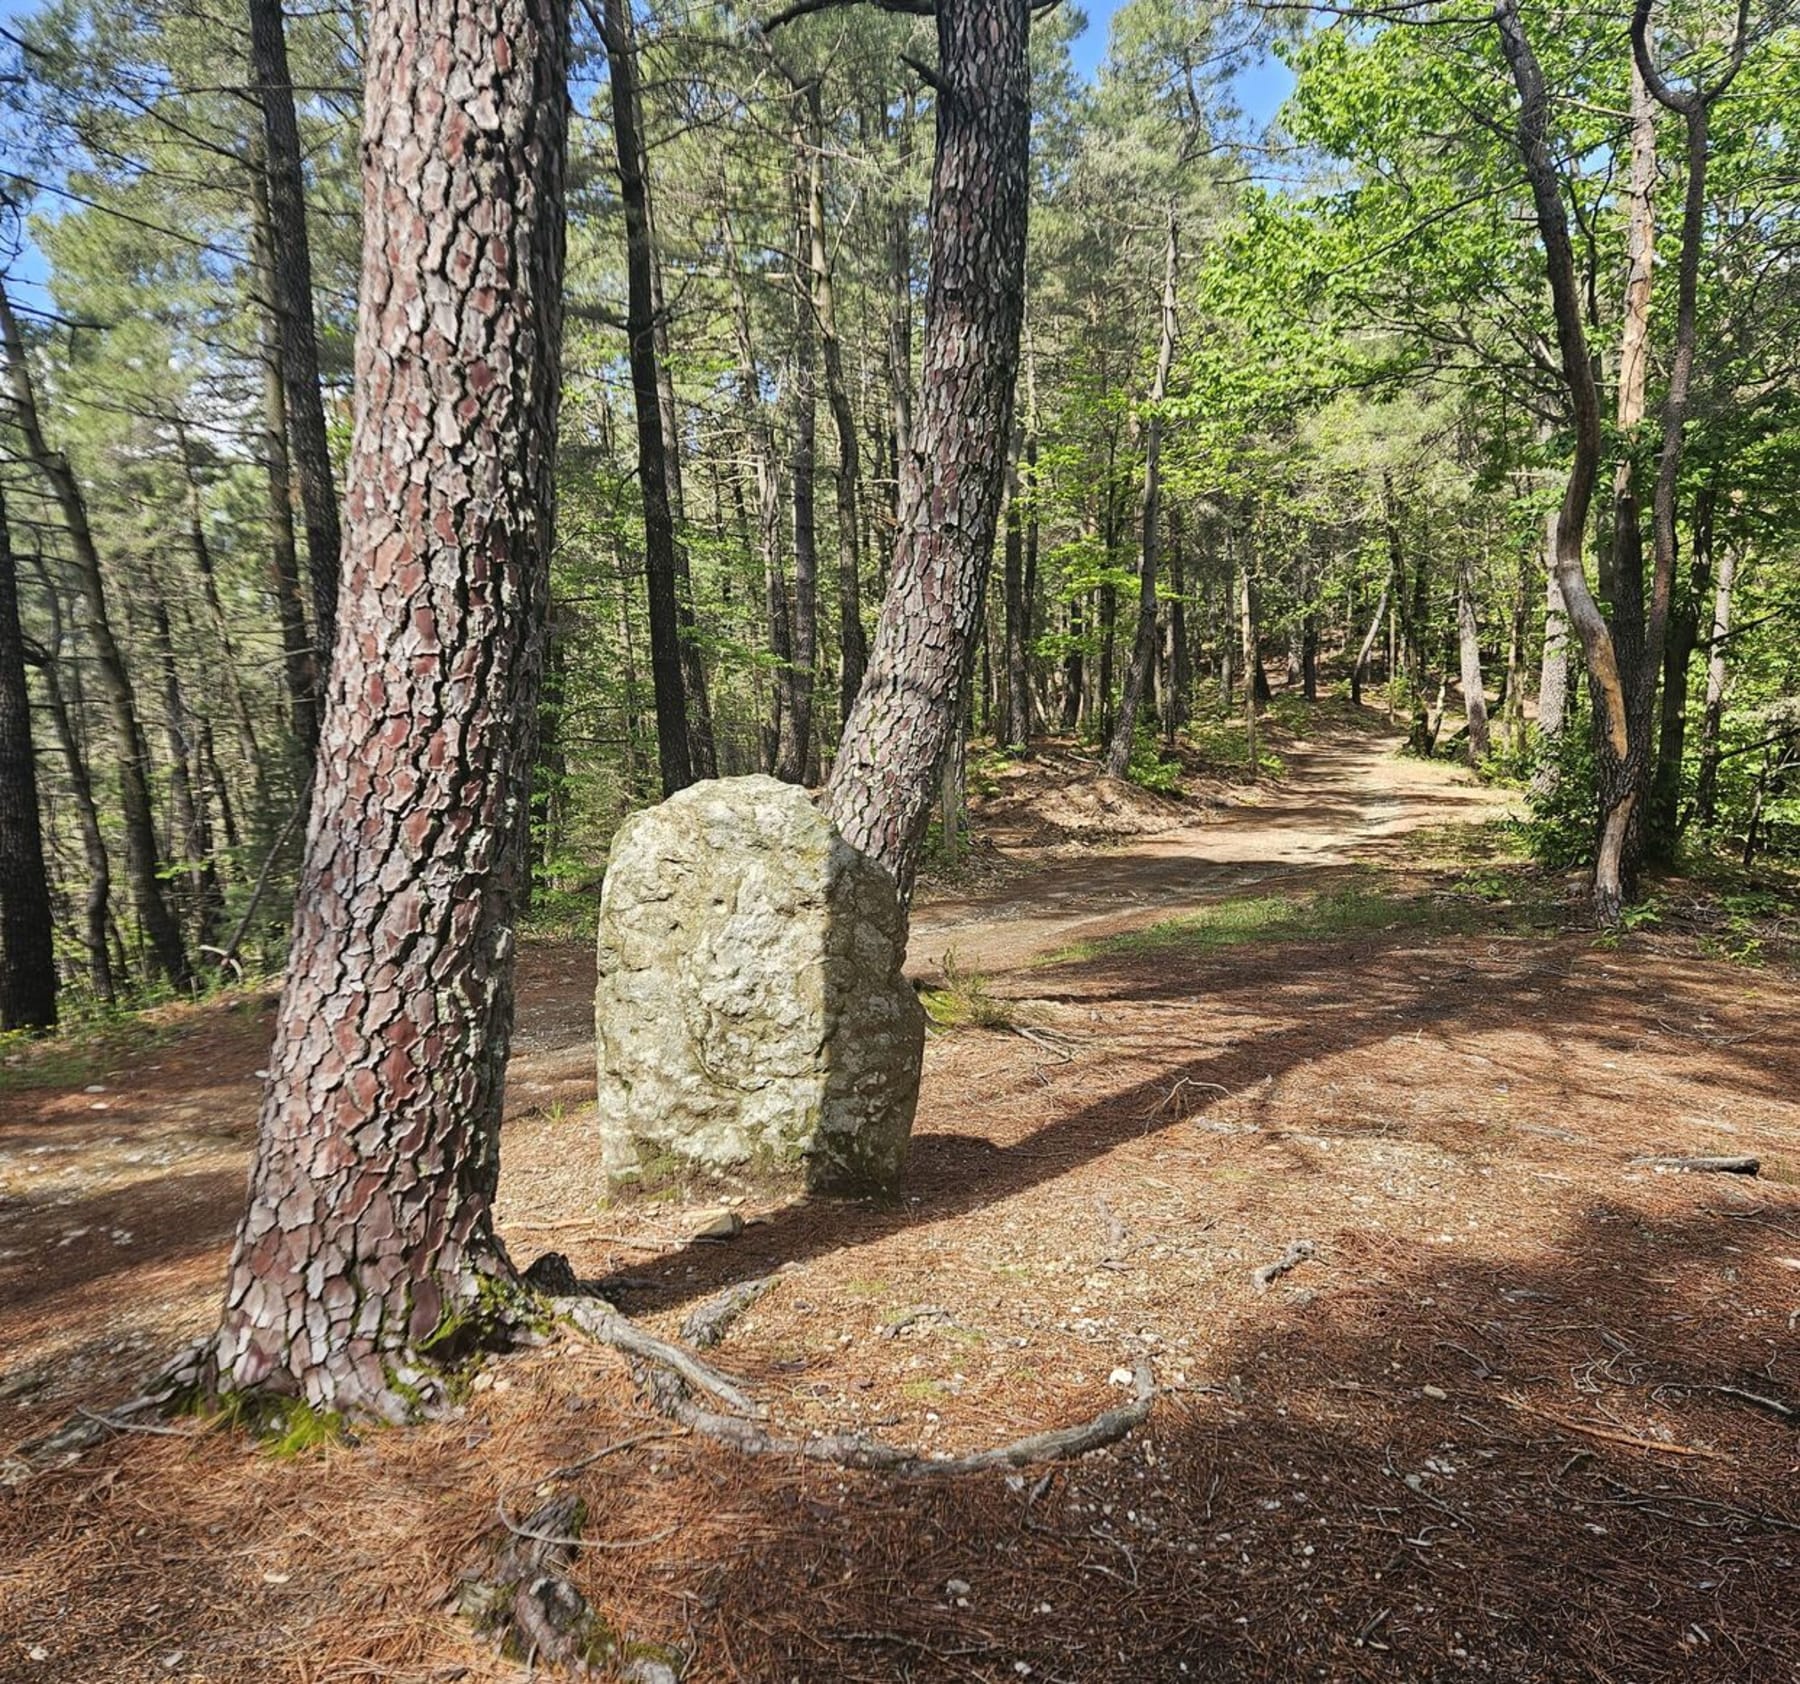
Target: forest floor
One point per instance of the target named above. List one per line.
(1529, 1411)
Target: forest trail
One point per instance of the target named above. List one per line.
(1525, 1411)
(1346, 797)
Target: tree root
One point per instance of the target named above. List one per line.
(670, 1375)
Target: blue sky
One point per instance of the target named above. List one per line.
(1261, 89)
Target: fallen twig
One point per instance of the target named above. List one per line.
(1702, 1165)
(1296, 1254)
(1610, 1435)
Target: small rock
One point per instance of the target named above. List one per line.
(1121, 1377)
(96, 1087)
(645, 1670)
(956, 1587)
(276, 1578)
(717, 1225)
(173, 1659)
(1437, 1392)
(37, 1652)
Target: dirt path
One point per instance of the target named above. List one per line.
(1344, 800)
(1525, 1414)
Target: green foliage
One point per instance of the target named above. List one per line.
(964, 1001)
(1563, 799)
(1150, 767)
(1257, 918)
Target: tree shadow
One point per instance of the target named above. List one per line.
(1336, 996)
(1549, 1467)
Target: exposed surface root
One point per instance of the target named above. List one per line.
(858, 1450)
(670, 1374)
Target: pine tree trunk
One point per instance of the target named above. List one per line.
(143, 866)
(1017, 730)
(803, 465)
(952, 476)
(299, 654)
(853, 641)
(1143, 646)
(27, 935)
(290, 270)
(612, 18)
(96, 906)
(369, 1230)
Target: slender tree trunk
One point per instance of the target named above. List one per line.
(1706, 791)
(27, 934)
(96, 906)
(1618, 753)
(1678, 650)
(1468, 638)
(853, 641)
(702, 747)
(1074, 680)
(612, 18)
(803, 463)
(290, 269)
(1252, 664)
(953, 475)
(1143, 647)
(369, 1237)
(143, 864)
(1178, 696)
(1553, 670)
(191, 840)
(1695, 109)
(1368, 643)
(786, 747)
(299, 655)
(1018, 675)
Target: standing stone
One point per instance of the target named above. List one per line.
(751, 1017)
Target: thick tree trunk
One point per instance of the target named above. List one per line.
(612, 18)
(1143, 646)
(290, 270)
(1468, 640)
(952, 476)
(369, 1231)
(27, 935)
(143, 866)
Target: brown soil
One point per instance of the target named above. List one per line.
(1529, 1413)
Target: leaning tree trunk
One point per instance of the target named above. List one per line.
(1143, 646)
(1618, 752)
(369, 1232)
(27, 938)
(290, 270)
(143, 867)
(951, 478)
